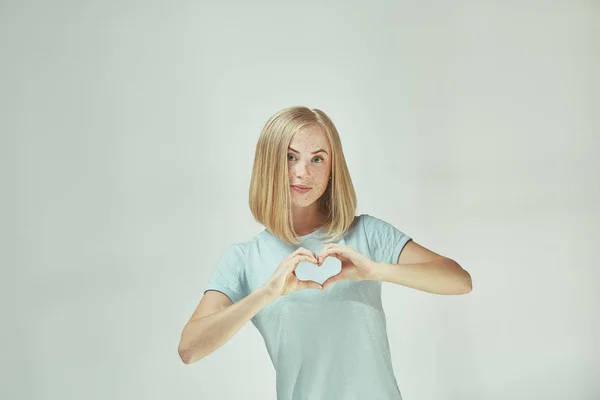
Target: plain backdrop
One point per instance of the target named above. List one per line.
(128, 136)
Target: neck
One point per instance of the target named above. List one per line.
(307, 220)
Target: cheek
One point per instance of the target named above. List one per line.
(322, 184)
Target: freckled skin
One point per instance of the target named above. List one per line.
(311, 170)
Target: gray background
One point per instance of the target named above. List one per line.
(128, 134)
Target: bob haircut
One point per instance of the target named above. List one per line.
(270, 196)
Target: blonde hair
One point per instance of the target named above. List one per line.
(270, 198)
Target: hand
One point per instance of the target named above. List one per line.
(355, 266)
(284, 279)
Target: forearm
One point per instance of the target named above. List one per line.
(202, 336)
(439, 276)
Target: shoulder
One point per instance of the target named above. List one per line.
(371, 223)
(244, 248)
(378, 228)
(384, 240)
(232, 254)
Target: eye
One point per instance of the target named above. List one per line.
(317, 157)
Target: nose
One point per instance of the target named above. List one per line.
(299, 170)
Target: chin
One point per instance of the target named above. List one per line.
(303, 203)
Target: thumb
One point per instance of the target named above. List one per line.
(310, 285)
(331, 281)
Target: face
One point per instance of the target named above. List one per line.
(309, 164)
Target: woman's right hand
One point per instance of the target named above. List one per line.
(284, 279)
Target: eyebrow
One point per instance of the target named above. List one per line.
(314, 152)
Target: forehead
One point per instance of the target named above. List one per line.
(310, 137)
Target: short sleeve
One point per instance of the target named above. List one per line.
(228, 276)
(385, 241)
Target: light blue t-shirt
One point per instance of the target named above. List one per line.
(324, 344)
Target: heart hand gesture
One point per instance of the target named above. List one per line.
(355, 266)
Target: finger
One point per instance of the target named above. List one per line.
(299, 250)
(302, 250)
(304, 257)
(330, 246)
(312, 257)
(330, 252)
(297, 259)
(340, 247)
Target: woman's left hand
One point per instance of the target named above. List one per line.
(355, 266)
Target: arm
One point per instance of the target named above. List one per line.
(439, 276)
(423, 269)
(204, 334)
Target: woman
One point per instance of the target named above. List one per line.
(311, 281)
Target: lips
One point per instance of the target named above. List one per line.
(301, 189)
